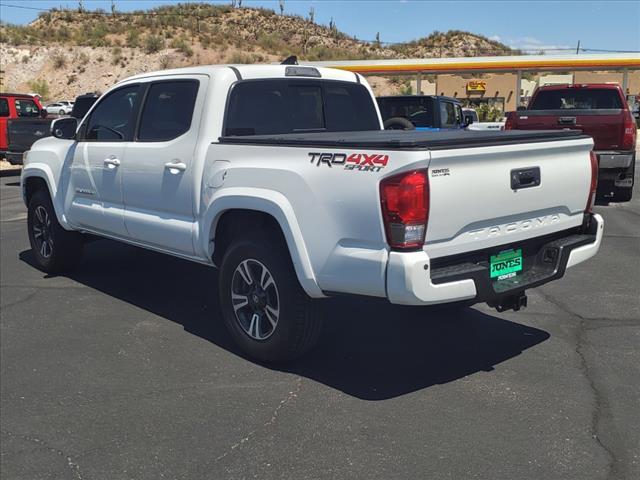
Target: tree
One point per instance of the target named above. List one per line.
(281, 3)
(378, 39)
(80, 6)
(113, 7)
(312, 14)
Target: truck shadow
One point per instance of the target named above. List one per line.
(370, 349)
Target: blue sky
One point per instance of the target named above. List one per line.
(611, 25)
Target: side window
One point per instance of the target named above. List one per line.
(27, 108)
(167, 110)
(113, 118)
(4, 107)
(447, 114)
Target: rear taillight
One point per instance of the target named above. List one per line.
(405, 209)
(629, 135)
(510, 122)
(594, 183)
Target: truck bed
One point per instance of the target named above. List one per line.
(405, 140)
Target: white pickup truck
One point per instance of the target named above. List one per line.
(282, 177)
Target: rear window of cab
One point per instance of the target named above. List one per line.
(577, 98)
(281, 106)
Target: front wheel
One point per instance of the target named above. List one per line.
(264, 307)
(55, 249)
(61, 112)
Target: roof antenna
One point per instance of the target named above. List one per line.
(290, 60)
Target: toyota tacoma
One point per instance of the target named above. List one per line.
(283, 178)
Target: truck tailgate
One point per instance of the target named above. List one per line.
(473, 205)
(606, 127)
(22, 132)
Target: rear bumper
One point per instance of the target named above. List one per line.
(413, 279)
(616, 170)
(14, 158)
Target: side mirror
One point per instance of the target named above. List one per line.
(43, 113)
(468, 120)
(64, 128)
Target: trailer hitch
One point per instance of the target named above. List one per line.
(511, 302)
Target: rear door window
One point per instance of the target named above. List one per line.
(576, 98)
(267, 107)
(167, 110)
(25, 107)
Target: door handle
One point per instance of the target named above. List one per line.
(111, 162)
(175, 167)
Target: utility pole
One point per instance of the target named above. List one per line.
(578, 48)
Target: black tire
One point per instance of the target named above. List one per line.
(398, 123)
(63, 249)
(622, 194)
(298, 324)
(61, 112)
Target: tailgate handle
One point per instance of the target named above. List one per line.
(525, 178)
(567, 120)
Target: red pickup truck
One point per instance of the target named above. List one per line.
(599, 110)
(21, 124)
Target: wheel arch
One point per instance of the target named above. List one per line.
(34, 179)
(263, 208)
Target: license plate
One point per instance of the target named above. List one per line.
(506, 264)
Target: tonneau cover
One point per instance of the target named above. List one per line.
(410, 140)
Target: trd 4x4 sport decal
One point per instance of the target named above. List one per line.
(365, 162)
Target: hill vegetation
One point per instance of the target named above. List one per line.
(82, 50)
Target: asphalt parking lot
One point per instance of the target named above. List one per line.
(123, 371)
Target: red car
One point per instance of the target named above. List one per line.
(21, 124)
(599, 110)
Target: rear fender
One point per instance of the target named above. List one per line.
(274, 204)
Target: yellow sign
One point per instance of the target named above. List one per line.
(476, 86)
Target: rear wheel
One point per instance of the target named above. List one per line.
(264, 307)
(54, 249)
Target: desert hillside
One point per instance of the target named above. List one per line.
(66, 52)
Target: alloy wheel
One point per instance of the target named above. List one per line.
(255, 299)
(42, 232)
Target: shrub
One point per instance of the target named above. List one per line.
(153, 44)
(25, 59)
(165, 62)
(39, 86)
(182, 46)
(133, 39)
(59, 61)
(240, 57)
(116, 55)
